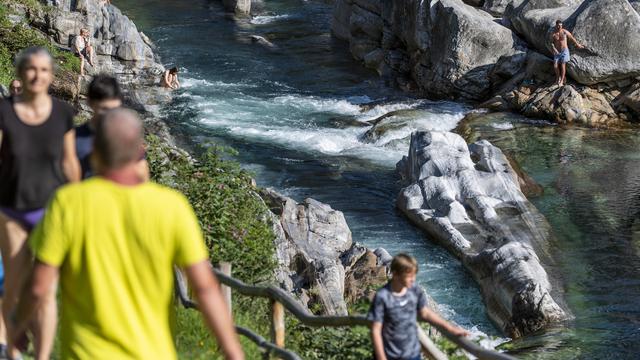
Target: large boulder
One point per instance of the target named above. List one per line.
(470, 53)
(496, 7)
(340, 21)
(609, 29)
(407, 24)
(365, 27)
(467, 198)
(315, 254)
(114, 36)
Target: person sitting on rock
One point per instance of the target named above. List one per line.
(560, 48)
(170, 79)
(15, 87)
(394, 310)
(82, 49)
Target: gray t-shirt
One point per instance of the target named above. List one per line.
(398, 315)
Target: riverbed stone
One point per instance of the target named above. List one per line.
(467, 198)
(467, 46)
(315, 254)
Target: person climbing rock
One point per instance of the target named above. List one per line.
(560, 48)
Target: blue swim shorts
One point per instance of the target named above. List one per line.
(563, 56)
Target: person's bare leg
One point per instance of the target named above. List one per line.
(45, 326)
(16, 260)
(555, 68)
(81, 65)
(90, 55)
(563, 70)
(3, 329)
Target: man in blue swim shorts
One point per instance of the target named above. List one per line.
(561, 50)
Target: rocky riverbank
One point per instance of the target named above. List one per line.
(497, 53)
(317, 259)
(468, 198)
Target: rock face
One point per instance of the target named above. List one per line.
(118, 45)
(449, 49)
(468, 199)
(469, 54)
(610, 30)
(317, 259)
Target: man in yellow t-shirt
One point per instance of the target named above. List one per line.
(113, 241)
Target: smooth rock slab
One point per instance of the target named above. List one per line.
(468, 199)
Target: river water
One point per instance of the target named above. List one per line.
(293, 114)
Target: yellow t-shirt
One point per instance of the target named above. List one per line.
(115, 247)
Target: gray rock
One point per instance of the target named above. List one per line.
(467, 46)
(496, 7)
(340, 20)
(375, 60)
(467, 198)
(4, 92)
(260, 40)
(313, 245)
(608, 29)
(408, 24)
(239, 7)
(365, 31)
(113, 35)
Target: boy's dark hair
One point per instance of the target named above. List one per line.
(104, 87)
(173, 70)
(558, 22)
(403, 263)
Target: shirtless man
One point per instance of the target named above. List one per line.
(82, 49)
(561, 50)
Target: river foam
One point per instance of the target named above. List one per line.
(302, 122)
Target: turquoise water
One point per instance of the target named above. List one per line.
(293, 111)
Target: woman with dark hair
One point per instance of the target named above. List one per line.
(37, 155)
(170, 79)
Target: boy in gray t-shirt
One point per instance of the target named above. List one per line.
(394, 312)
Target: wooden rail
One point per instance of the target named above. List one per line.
(280, 298)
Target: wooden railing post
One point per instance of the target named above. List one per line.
(225, 268)
(277, 323)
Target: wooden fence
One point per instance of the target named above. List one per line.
(280, 299)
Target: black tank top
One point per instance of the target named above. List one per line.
(31, 156)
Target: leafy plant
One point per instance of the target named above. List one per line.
(230, 212)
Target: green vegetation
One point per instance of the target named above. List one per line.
(232, 218)
(224, 199)
(14, 38)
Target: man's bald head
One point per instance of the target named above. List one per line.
(118, 140)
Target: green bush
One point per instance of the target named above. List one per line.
(224, 199)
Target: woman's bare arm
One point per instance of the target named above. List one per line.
(70, 163)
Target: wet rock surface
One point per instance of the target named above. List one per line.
(467, 198)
